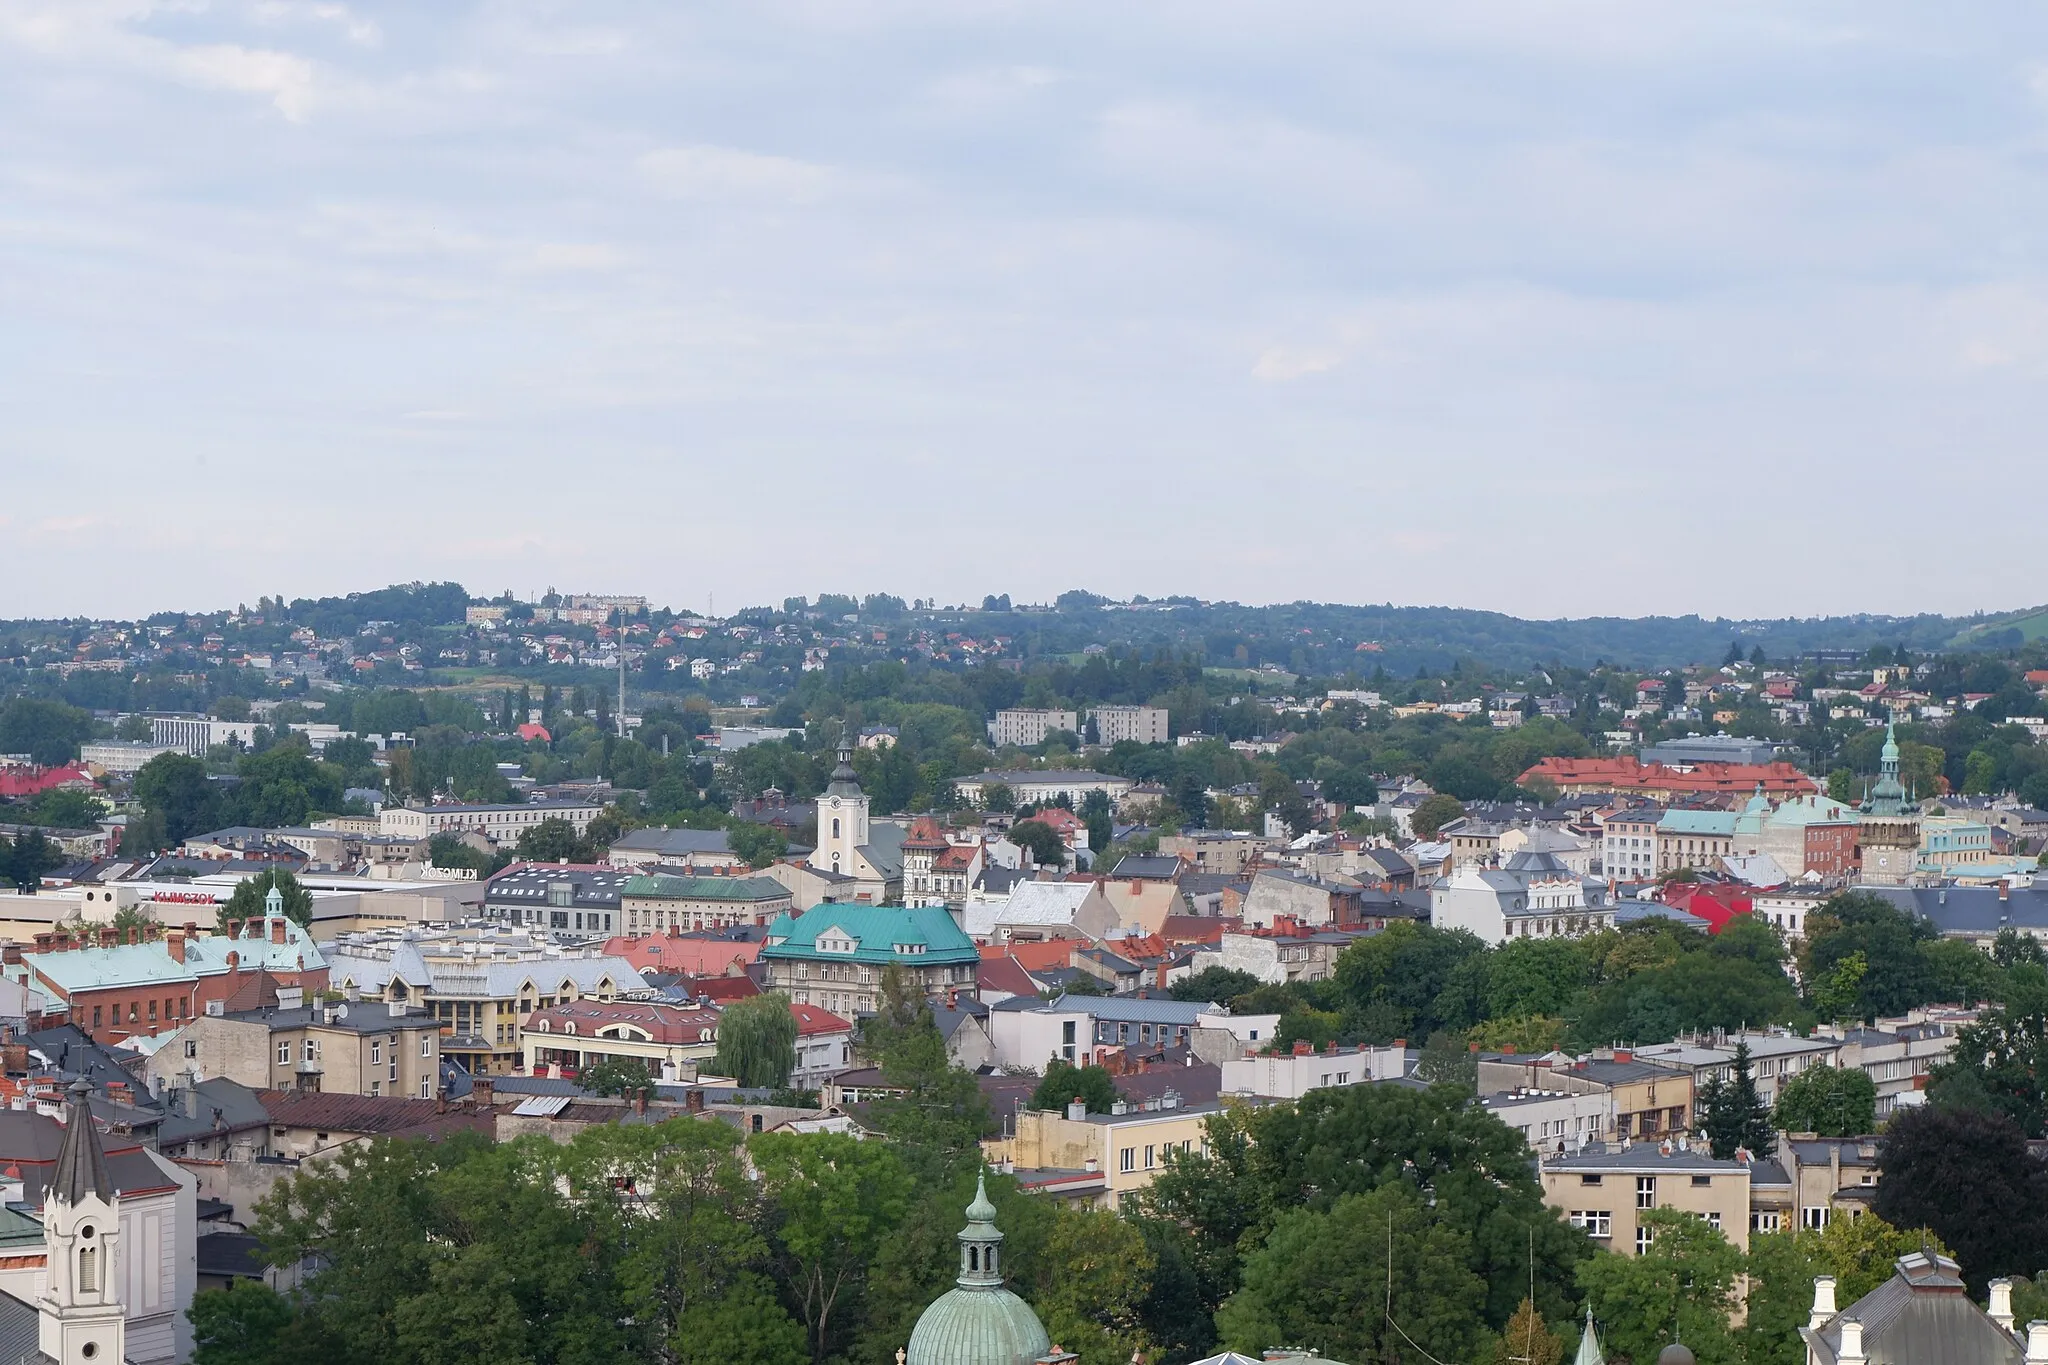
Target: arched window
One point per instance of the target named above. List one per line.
(835, 827)
(88, 1262)
(974, 1258)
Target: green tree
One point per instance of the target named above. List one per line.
(838, 1200)
(757, 1041)
(1526, 1340)
(555, 840)
(615, 1076)
(251, 897)
(175, 789)
(1323, 1276)
(1433, 812)
(1682, 1287)
(1732, 1114)
(1899, 974)
(67, 808)
(135, 729)
(1220, 984)
(240, 1325)
(1041, 841)
(1828, 1100)
(2000, 1061)
(1065, 1082)
(49, 732)
(25, 858)
(1837, 992)
(1968, 1177)
(997, 798)
(760, 845)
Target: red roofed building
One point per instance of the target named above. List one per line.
(20, 783)
(824, 1045)
(1715, 902)
(675, 953)
(719, 990)
(1001, 978)
(532, 731)
(579, 1034)
(1632, 776)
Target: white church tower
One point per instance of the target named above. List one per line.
(82, 1321)
(842, 817)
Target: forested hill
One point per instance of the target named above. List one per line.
(1323, 639)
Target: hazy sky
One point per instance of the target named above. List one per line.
(1555, 308)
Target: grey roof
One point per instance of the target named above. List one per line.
(1114, 1008)
(237, 1255)
(1146, 867)
(81, 1161)
(1013, 776)
(222, 1106)
(21, 1326)
(1975, 910)
(671, 842)
(1922, 1315)
(1642, 1156)
(528, 884)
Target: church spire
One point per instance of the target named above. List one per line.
(79, 1317)
(81, 1161)
(980, 1241)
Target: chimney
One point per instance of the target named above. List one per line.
(481, 1089)
(2001, 1304)
(1078, 1110)
(174, 944)
(1304, 1048)
(107, 934)
(277, 930)
(2037, 1343)
(234, 965)
(10, 953)
(1622, 1054)
(134, 936)
(152, 931)
(693, 1101)
(1851, 1352)
(234, 928)
(191, 928)
(640, 1100)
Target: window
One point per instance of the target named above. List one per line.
(427, 1044)
(1067, 1040)
(1595, 1222)
(377, 1052)
(1714, 1221)
(376, 1087)
(1590, 1180)
(1149, 1162)
(1700, 1182)
(1646, 1191)
(1127, 1160)
(1644, 1236)
(191, 1048)
(1814, 1216)
(284, 1053)
(1766, 1220)
(96, 1015)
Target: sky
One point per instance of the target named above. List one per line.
(1551, 308)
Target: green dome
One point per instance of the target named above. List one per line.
(980, 1326)
(980, 1322)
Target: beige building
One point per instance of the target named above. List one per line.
(501, 824)
(1138, 724)
(1028, 726)
(1126, 1148)
(358, 1048)
(1644, 1101)
(666, 1040)
(657, 904)
(1607, 1190)
(1214, 850)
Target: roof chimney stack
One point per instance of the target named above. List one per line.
(2037, 1343)
(2000, 1308)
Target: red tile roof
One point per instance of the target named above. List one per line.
(811, 1020)
(1005, 976)
(679, 1024)
(16, 783)
(689, 956)
(1633, 775)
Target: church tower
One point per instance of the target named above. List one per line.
(842, 816)
(1890, 836)
(82, 1321)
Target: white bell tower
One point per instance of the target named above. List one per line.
(842, 816)
(82, 1320)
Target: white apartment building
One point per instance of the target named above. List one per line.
(1143, 724)
(194, 735)
(121, 758)
(1028, 726)
(499, 824)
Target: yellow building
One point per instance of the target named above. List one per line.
(1606, 1191)
(1064, 1152)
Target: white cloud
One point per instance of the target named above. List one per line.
(287, 79)
(709, 172)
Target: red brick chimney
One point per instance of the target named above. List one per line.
(483, 1090)
(277, 930)
(640, 1100)
(693, 1101)
(107, 935)
(1622, 1054)
(1304, 1048)
(174, 944)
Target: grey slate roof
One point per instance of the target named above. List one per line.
(81, 1162)
(1922, 1315)
(21, 1333)
(1117, 1009)
(674, 842)
(1146, 867)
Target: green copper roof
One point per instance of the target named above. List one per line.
(874, 930)
(980, 1322)
(664, 887)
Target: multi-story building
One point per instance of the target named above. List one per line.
(936, 870)
(1027, 727)
(1775, 1056)
(1533, 896)
(122, 758)
(1642, 1100)
(1227, 851)
(668, 1041)
(1045, 788)
(1951, 842)
(561, 901)
(1029, 1032)
(1126, 1147)
(834, 955)
(1290, 1075)
(1628, 843)
(479, 981)
(159, 979)
(1138, 724)
(501, 824)
(657, 904)
(341, 1047)
(1695, 839)
(1605, 1190)
(194, 735)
